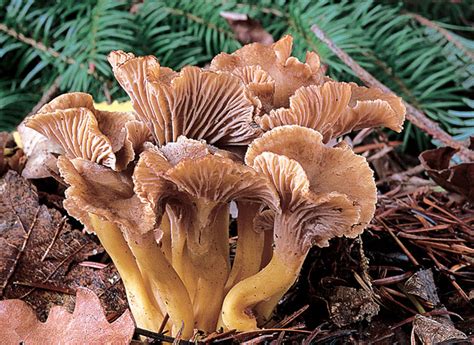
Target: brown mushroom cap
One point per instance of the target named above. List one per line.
(335, 169)
(307, 218)
(77, 131)
(117, 134)
(187, 170)
(334, 109)
(199, 104)
(96, 189)
(286, 71)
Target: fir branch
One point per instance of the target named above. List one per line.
(413, 114)
(37, 45)
(447, 35)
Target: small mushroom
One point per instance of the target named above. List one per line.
(336, 108)
(198, 104)
(324, 193)
(282, 70)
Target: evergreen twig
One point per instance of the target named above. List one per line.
(414, 115)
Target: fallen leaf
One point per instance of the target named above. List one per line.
(40, 252)
(349, 305)
(431, 331)
(86, 325)
(457, 178)
(422, 284)
(246, 29)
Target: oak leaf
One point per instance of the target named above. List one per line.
(86, 325)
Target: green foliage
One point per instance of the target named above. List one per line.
(71, 39)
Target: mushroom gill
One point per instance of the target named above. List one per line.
(336, 108)
(198, 104)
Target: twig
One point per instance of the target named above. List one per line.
(286, 321)
(163, 323)
(160, 337)
(393, 279)
(400, 244)
(47, 96)
(449, 37)
(414, 115)
(48, 287)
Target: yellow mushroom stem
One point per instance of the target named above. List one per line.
(275, 279)
(145, 310)
(179, 251)
(267, 250)
(164, 281)
(211, 264)
(248, 255)
(165, 228)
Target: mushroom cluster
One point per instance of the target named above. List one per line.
(253, 128)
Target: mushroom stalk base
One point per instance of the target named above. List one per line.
(276, 278)
(145, 312)
(164, 281)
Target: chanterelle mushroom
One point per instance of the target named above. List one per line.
(114, 135)
(105, 202)
(324, 193)
(336, 108)
(198, 104)
(270, 71)
(197, 183)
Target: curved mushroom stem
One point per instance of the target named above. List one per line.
(145, 311)
(276, 278)
(164, 281)
(267, 251)
(213, 268)
(248, 254)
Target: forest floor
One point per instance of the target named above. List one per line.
(409, 276)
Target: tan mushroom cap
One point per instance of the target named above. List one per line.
(336, 108)
(85, 132)
(216, 107)
(77, 131)
(286, 71)
(329, 169)
(181, 173)
(96, 189)
(307, 218)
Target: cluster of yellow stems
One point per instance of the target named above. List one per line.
(258, 128)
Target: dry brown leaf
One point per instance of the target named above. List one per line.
(38, 248)
(246, 29)
(87, 325)
(422, 284)
(431, 331)
(457, 178)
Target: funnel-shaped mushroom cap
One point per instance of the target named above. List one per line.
(334, 109)
(286, 71)
(329, 169)
(199, 104)
(181, 173)
(307, 218)
(96, 189)
(108, 138)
